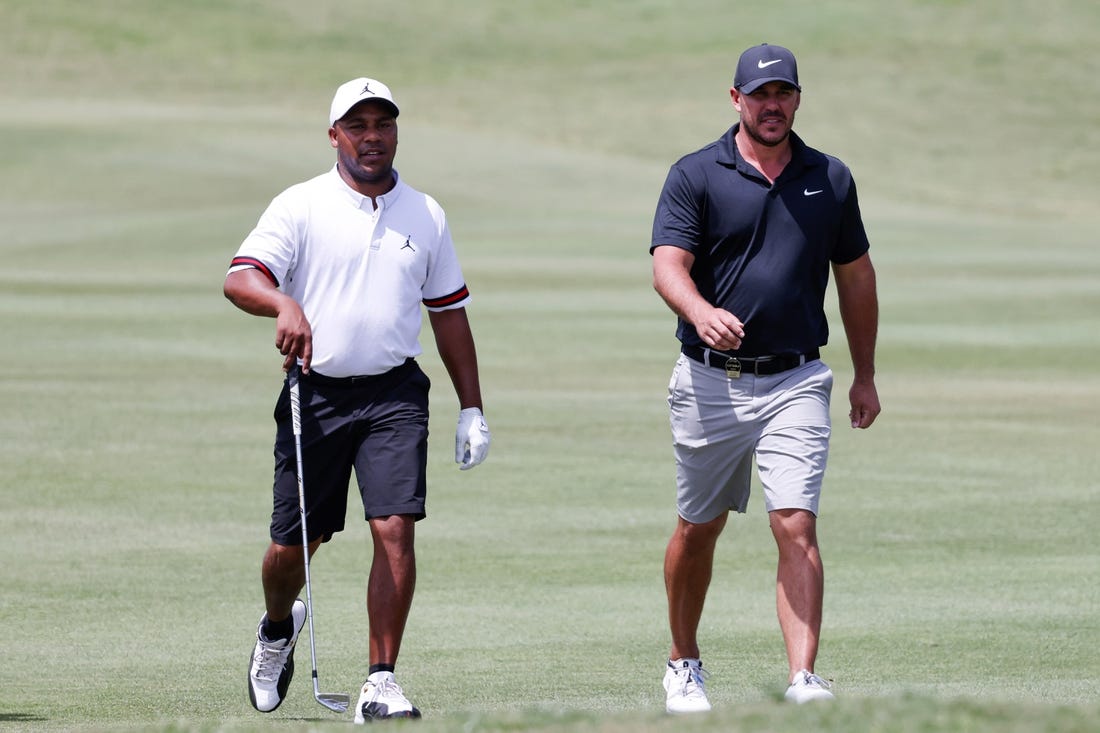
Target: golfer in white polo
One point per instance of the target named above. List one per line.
(344, 263)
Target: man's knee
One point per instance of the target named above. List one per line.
(794, 527)
(394, 531)
(703, 534)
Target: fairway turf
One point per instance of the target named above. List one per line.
(138, 145)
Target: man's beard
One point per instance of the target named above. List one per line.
(361, 175)
(751, 131)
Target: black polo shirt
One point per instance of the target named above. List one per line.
(762, 251)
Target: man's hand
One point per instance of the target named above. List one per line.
(251, 291)
(719, 329)
(863, 397)
(293, 336)
(471, 438)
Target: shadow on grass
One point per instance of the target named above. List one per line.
(21, 718)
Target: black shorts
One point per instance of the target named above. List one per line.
(377, 425)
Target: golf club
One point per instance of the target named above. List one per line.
(334, 701)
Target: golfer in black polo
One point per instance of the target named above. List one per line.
(745, 234)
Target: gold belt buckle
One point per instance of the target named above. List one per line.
(733, 368)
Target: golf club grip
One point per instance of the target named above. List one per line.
(296, 426)
(295, 401)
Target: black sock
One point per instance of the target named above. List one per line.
(379, 668)
(275, 630)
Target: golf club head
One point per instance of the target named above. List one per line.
(334, 701)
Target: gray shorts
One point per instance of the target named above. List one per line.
(719, 425)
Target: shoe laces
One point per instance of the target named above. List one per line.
(810, 679)
(386, 687)
(269, 665)
(689, 680)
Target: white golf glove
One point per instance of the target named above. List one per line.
(471, 438)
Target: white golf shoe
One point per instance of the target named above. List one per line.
(684, 688)
(383, 698)
(272, 663)
(807, 687)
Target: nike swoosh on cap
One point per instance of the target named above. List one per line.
(808, 192)
(761, 64)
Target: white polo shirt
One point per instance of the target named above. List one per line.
(359, 273)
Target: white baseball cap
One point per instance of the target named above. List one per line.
(353, 92)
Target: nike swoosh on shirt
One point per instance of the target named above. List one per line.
(761, 64)
(808, 192)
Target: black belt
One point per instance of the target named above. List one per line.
(364, 380)
(760, 366)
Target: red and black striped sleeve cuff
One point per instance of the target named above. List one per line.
(455, 297)
(253, 262)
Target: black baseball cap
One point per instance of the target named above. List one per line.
(760, 64)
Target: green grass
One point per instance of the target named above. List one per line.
(139, 141)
